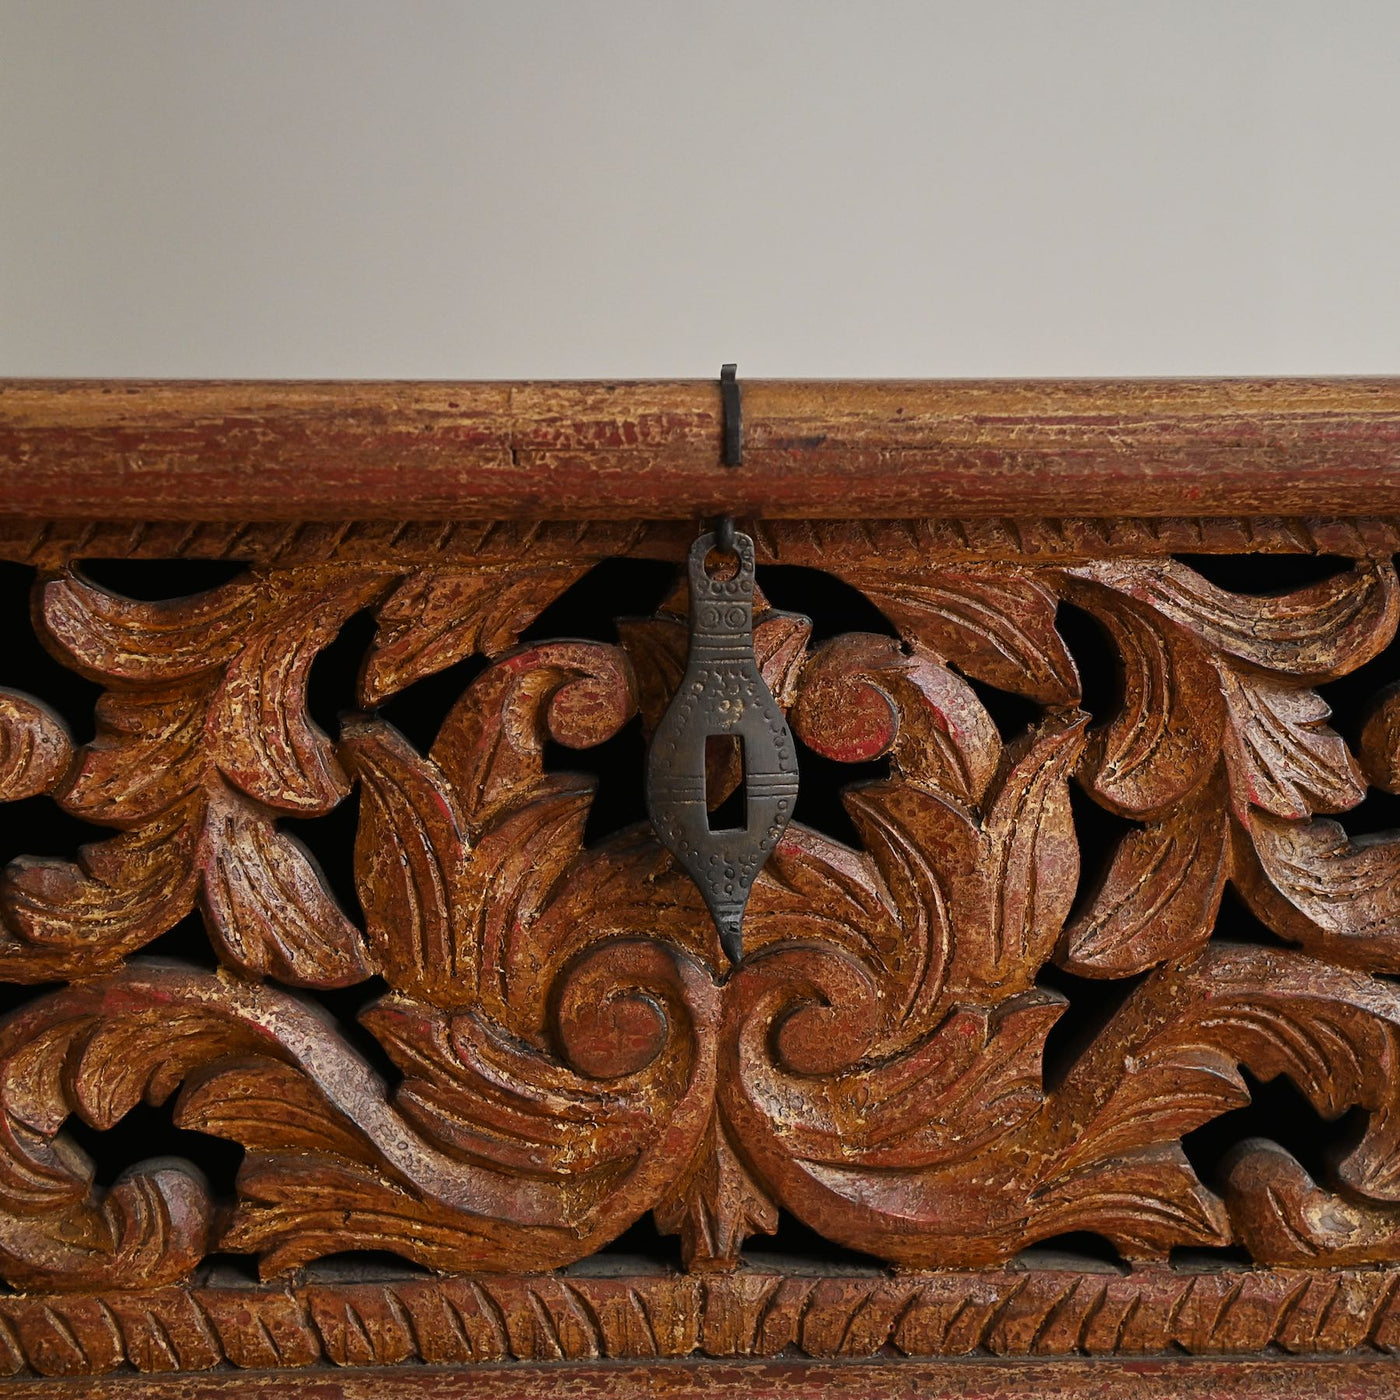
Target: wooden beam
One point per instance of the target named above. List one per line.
(282, 450)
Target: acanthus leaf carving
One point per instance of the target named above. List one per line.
(268, 1107)
(1019, 890)
(1158, 897)
(72, 918)
(567, 1194)
(147, 755)
(1279, 752)
(213, 683)
(91, 1050)
(1165, 741)
(979, 920)
(448, 884)
(1284, 1217)
(1336, 897)
(433, 619)
(998, 621)
(35, 747)
(947, 1096)
(491, 745)
(1379, 749)
(151, 1227)
(99, 1047)
(1148, 1201)
(266, 904)
(1173, 627)
(207, 692)
(574, 1049)
(411, 854)
(1312, 634)
(268, 744)
(1332, 1031)
(109, 638)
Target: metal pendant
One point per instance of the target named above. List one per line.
(722, 697)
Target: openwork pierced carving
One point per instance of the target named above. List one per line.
(575, 1050)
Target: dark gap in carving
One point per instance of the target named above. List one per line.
(159, 580)
(1238, 923)
(1193, 1259)
(796, 1240)
(618, 769)
(1278, 1111)
(823, 780)
(13, 995)
(222, 1270)
(345, 1005)
(187, 942)
(331, 841)
(1012, 714)
(729, 812)
(833, 605)
(25, 664)
(1075, 1249)
(39, 827)
(1260, 575)
(1352, 697)
(1092, 1004)
(362, 1266)
(1096, 658)
(1378, 814)
(641, 1240)
(612, 588)
(332, 685)
(148, 1131)
(418, 710)
(1098, 832)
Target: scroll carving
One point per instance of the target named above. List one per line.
(572, 1048)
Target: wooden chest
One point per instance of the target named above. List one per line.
(363, 1039)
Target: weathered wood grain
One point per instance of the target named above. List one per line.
(1179, 1379)
(321, 451)
(503, 554)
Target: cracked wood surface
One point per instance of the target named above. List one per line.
(1180, 1379)
(308, 451)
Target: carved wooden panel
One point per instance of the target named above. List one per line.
(1106, 875)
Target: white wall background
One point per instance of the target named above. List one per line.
(646, 187)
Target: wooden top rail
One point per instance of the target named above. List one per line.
(272, 450)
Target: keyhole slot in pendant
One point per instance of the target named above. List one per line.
(724, 756)
(721, 565)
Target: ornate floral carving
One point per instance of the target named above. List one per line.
(574, 1049)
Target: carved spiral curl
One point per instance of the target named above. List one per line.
(617, 1003)
(803, 1009)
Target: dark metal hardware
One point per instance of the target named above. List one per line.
(723, 694)
(731, 403)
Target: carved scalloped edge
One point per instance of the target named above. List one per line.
(51, 544)
(1044, 1312)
